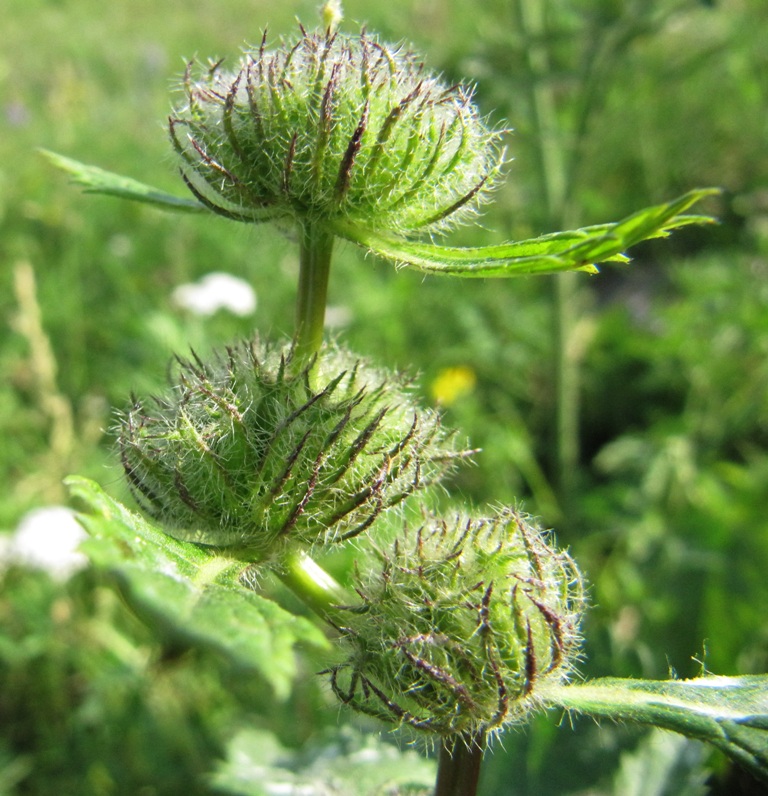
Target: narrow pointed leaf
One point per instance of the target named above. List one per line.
(577, 250)
(189, 594)
(729, 712)
(95, 180)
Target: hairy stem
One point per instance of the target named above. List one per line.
(315, 587)
(459, 764)
(315, 264)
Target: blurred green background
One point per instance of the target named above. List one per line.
(660, 488)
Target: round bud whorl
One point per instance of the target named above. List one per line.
(334, 128)
(462, 626)
(243, 451)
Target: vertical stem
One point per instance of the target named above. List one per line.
(555, 189)
(314, 265)
(552, 172)
(458, 770)
(567, 387)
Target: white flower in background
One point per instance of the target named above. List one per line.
(47, 539)
(337, 316)
(214, 292)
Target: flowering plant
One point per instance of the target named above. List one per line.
(266, 455)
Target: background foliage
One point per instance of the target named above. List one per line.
(667, 517)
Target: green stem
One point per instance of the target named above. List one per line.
(553, 171)
(567, 388)
(559, 162)
(315, 265)
(315, 587)
(458, 768)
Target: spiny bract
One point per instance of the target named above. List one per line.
(461, 626)
(244, 451)
(333, 127)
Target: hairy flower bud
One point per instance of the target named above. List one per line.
(244, 451)
(334, 128)
(462, 625)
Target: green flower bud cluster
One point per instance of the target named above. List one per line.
(334, 128)
(248, 451)
(462, 625)
(456, 628)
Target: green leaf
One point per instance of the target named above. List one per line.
(577, 250)
(345, 764)
(95, 180)
(729, 712)
(191, 594)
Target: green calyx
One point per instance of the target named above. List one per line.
(334, 128)
(244, 451)
(461, 626)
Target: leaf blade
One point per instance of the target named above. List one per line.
(574, 250)
(729, 712)
(191, 594)
(93, 179)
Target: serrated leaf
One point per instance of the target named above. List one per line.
(95, 180)
(729, 712)
(577, 250)
(189, 593)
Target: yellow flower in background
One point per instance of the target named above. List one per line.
(453, 383)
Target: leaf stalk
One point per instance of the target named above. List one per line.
(320, 592)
